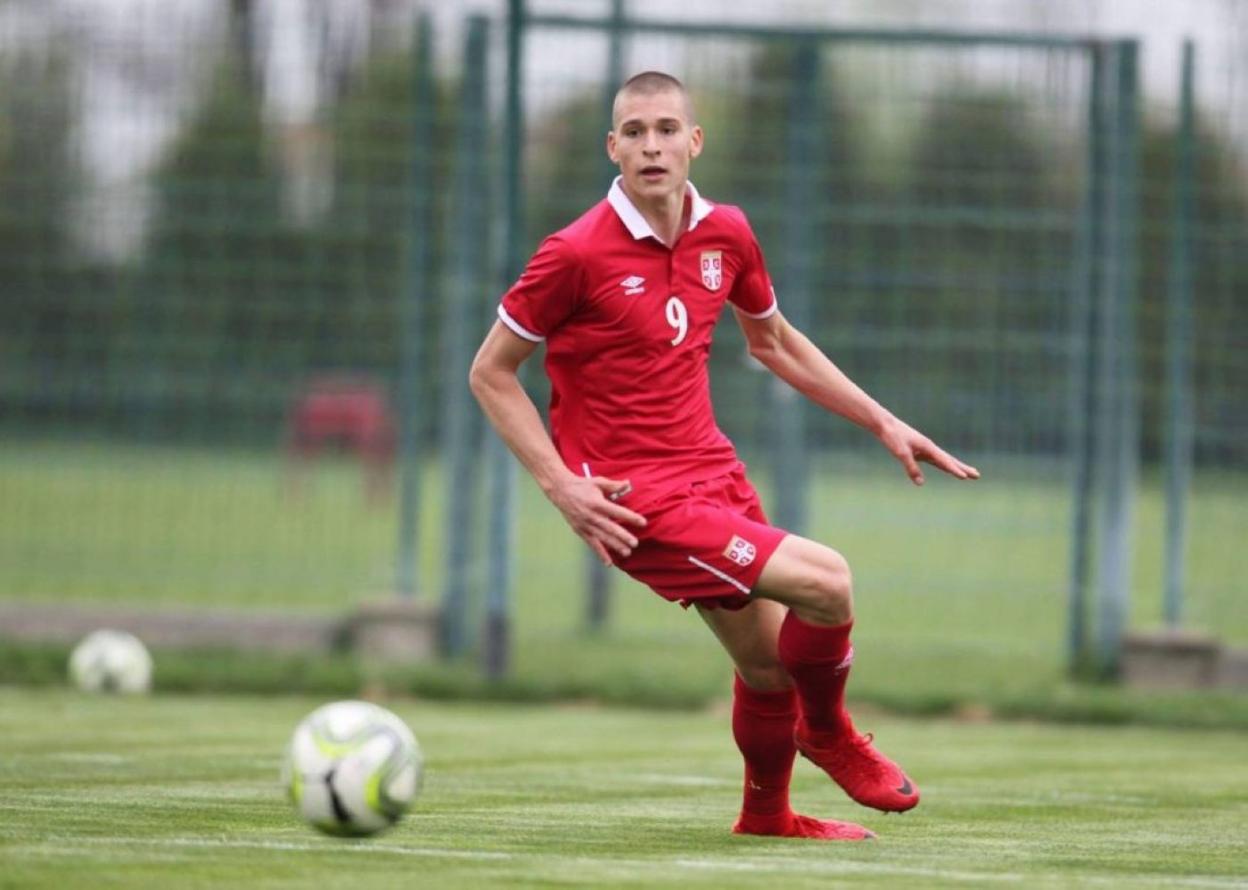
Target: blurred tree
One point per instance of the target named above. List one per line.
(566, 165)
(763, 121)
(1219, 266)
(981, 245)
(240, 302)
(46, 294)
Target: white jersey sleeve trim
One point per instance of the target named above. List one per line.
(723, 576)
(766, 313)
(517, 328)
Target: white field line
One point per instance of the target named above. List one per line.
(747, 865)
(89, 757)
(692, 781)
(55, 844)
(1056, 879)
(66, 846)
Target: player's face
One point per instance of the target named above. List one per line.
(653, 143)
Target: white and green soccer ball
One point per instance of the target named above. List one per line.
(111, 661)
(352, 768)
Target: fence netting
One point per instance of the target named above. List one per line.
(227, 240)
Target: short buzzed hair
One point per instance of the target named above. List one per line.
(649, 83)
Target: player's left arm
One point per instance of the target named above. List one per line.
(789, 354)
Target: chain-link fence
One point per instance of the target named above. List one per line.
(245, 264)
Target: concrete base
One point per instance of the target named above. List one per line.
(395, 631)
(388, 630)
(1233, 669)
(1172, 659)
(173, 627)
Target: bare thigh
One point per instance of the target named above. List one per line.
(751, 637)
(810, 578)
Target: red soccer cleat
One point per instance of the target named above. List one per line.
(853, 763)
(795, 825)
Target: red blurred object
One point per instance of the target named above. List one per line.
(346, 414)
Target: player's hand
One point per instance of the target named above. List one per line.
(587, 505)
(910, 446)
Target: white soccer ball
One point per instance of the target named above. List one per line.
(352, 768)
(111, 661)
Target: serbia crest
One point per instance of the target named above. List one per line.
(712, 269)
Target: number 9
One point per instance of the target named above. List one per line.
(678, 318)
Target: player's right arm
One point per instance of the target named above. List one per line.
(583, 501)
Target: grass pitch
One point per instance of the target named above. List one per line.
(183, 791)
(961, 590)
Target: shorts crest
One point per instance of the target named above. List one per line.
(740, 551)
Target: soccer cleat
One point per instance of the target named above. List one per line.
(853, 763)
(792, 824)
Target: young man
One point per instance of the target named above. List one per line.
(626, 299)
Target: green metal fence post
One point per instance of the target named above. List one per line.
(412, 316)
(598, 576)
(1118, 441)
(496, 649)
(790, 464)
(1179, 396)
(1083, 362)
(468, 281)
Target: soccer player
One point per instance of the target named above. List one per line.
(626, 299)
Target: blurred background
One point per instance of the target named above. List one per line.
(248, 249)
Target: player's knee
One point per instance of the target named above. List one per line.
(831, 586)
(765, 676)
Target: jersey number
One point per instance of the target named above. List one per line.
(678, 318)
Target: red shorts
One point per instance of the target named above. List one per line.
(705, 543)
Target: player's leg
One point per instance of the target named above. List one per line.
(811, 579)
(749, 636)
(814, 647)
(764, 716)
(764, 705)
(814, 581)
(713, 544)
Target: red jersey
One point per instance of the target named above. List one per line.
(627, 323)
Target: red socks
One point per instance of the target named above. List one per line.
(762, 725)
(818, 659)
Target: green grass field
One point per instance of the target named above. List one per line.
(961, 589)
(183, 791)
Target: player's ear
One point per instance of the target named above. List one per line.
(695, 141)
(611, 147)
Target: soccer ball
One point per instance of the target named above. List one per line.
(111, 661)
(352, 768)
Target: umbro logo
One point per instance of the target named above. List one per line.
(633, 285)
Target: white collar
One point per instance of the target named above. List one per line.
(636, 223)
